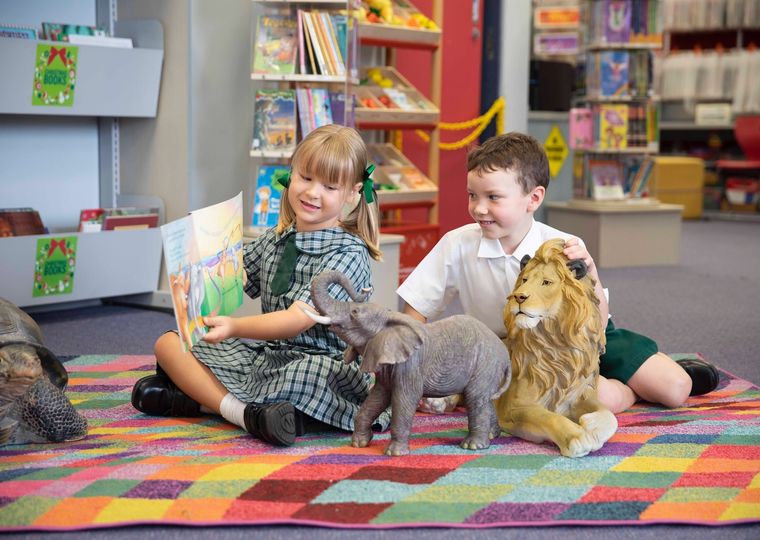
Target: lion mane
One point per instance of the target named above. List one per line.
(563, 350)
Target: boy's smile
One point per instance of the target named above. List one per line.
(498, 204)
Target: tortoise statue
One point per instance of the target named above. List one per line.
(33, 407)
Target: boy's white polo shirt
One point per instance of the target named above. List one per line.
(475, 270)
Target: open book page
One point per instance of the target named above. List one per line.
(204, 261)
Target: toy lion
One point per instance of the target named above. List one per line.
(555, 335)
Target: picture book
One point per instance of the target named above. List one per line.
(18, 32)
(276, 45)
(204, 262)
(61, 32)
(338, 106)
(320, 100)
(613, 80)
(613, 127)
(267, 196)
(90, 220)
(581, 128)
(606, 180)
(274, 121)
(20, 222)
(617, 21)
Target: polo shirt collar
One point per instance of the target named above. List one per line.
(491, 248)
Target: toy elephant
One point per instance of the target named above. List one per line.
(458, 354)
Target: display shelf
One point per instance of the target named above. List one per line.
(271, 154)
(385, 111)
(624, 233)
(303, 78)
(693, 126)
(111, 82)
(387, 35)
(628, 46)
(111, 263)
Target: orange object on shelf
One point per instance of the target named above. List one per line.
(420, 237)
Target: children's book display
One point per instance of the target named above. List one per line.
(114, 219)
(274, 122)
(267, 196)
(204, 262)
(17, 32)
(20, 222)
(275, 45)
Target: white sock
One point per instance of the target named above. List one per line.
(232, 410)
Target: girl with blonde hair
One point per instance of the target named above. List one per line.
(273, 373)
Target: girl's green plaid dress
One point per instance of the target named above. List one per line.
(307, 370)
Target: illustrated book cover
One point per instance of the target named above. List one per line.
(617, 21)
(204, 262)
(276, 45)
(581, 128)
(274, 121)
(606, 180)
(61, 32)
(613, 127)
(613, 80)
(267, 196)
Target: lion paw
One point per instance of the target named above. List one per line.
(396, 448)
(472, 442)
(600, 426)
(360, 440)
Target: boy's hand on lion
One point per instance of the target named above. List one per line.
(574, 249)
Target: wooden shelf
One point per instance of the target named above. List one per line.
(110, 81)
(386, 35)
(632, 46)
(382, 117)
(406, 195)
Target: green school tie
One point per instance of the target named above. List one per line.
(285, 267)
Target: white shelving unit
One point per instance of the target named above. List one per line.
(111, 83)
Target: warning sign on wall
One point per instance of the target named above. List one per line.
(556, 150)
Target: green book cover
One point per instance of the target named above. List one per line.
(55, 75)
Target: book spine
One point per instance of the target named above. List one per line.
(301, 47)
(315, 45)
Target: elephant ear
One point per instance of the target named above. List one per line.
(393, 345)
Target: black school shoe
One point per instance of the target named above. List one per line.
(278, 423)
(704, 376)
(157, 395)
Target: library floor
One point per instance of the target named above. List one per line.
(707, 304)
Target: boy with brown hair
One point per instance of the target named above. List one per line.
(477, 264)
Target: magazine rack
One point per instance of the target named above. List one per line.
(102, 89)
(112, 263)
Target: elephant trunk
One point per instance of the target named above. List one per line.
(325, 303)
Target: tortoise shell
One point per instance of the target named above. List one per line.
(16, 327)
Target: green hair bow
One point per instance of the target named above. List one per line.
(367, 183)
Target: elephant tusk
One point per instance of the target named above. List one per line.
(321, 319)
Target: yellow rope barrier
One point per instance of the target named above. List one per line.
(480, 123)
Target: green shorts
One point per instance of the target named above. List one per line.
(624, 353)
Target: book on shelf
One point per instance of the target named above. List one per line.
(61, 32)
(20, 222)
(90, 220)
(204, 263)
(617, 21)
(606, 179)
(125, 222)
(267, 196)
(17, 32)
(274, 120)
(613, 73)
(275, 45)
(581, 127)
(101, 41)
(613, 127)
(323, 66)
(639, 186)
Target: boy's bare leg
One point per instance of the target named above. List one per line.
(615, 395)
(661, 380)
(190, 376)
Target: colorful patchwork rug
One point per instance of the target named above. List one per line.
(699, 464)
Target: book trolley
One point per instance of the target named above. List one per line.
(614, 132)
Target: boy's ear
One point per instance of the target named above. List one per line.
(536, 197)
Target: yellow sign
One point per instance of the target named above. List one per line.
(556, 150)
